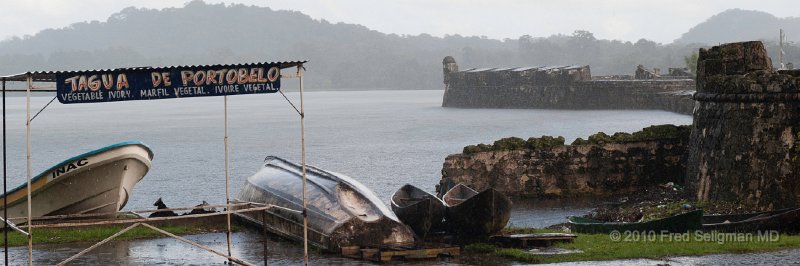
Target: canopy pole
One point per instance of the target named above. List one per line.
(300, 71)
(28, 157)
(5, 175)
(227, 190)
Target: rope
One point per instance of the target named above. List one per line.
(292, 104)
(45, 106)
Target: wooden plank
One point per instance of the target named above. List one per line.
(425, 253)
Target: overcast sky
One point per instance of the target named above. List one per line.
(628, 20)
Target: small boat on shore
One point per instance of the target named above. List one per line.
(783, 220)
(676, 224)
(96, 182)
(476, 214)
(418, 209)
(341, 211)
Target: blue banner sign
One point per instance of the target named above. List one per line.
(165, 83)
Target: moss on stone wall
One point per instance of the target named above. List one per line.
(514, 143)
(646, 134)
(546, 142)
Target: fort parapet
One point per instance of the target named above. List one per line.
(744, 142)
(560, 87)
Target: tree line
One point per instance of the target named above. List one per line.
(341, 55)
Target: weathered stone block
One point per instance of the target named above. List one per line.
(731, 59)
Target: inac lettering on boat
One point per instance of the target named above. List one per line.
(68, 167)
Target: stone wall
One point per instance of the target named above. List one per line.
(568, 87)
(744, 143)
(668, 95)
(597, 169)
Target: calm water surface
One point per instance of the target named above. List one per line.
(382, 138)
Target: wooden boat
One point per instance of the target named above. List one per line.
(475, 214)
(784, 221)
(96, 182)
(341, 211)
(418, 209)
(677, 224)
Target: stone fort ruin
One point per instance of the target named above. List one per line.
(561, 87)
(743, 146)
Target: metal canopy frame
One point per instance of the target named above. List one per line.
(50, 77)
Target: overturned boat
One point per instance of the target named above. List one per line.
(341, 211)
(418, 209)
(97, 182)
(476, 214)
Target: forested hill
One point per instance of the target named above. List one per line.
(342, 56)
(741, 25)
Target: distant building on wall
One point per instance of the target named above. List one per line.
(512, 76)
(672, 73)
(562, 87)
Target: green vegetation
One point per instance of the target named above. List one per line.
(655, 212)
(547, 142)
(510, 253)
(480, 248)
(544, 142)
(53, 236)
(506, 144)
(601, 247)
(517, 255)
(646, 134)
(514, 143)
(597, 247)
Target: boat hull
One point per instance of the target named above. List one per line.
(481, 215)
(418, 209)
(341, 212)
(98, 182)
(784, 221)
(675, 224)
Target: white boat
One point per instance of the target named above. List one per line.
(341, 211)
(96, 182)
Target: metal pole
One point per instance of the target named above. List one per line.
(5, 175)
(28, 157)
(303, 162)
(227, 191)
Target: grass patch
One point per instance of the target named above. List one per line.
(601, 247)
(517, 255)
(509, 253)
(69, 235)
(480, 248)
